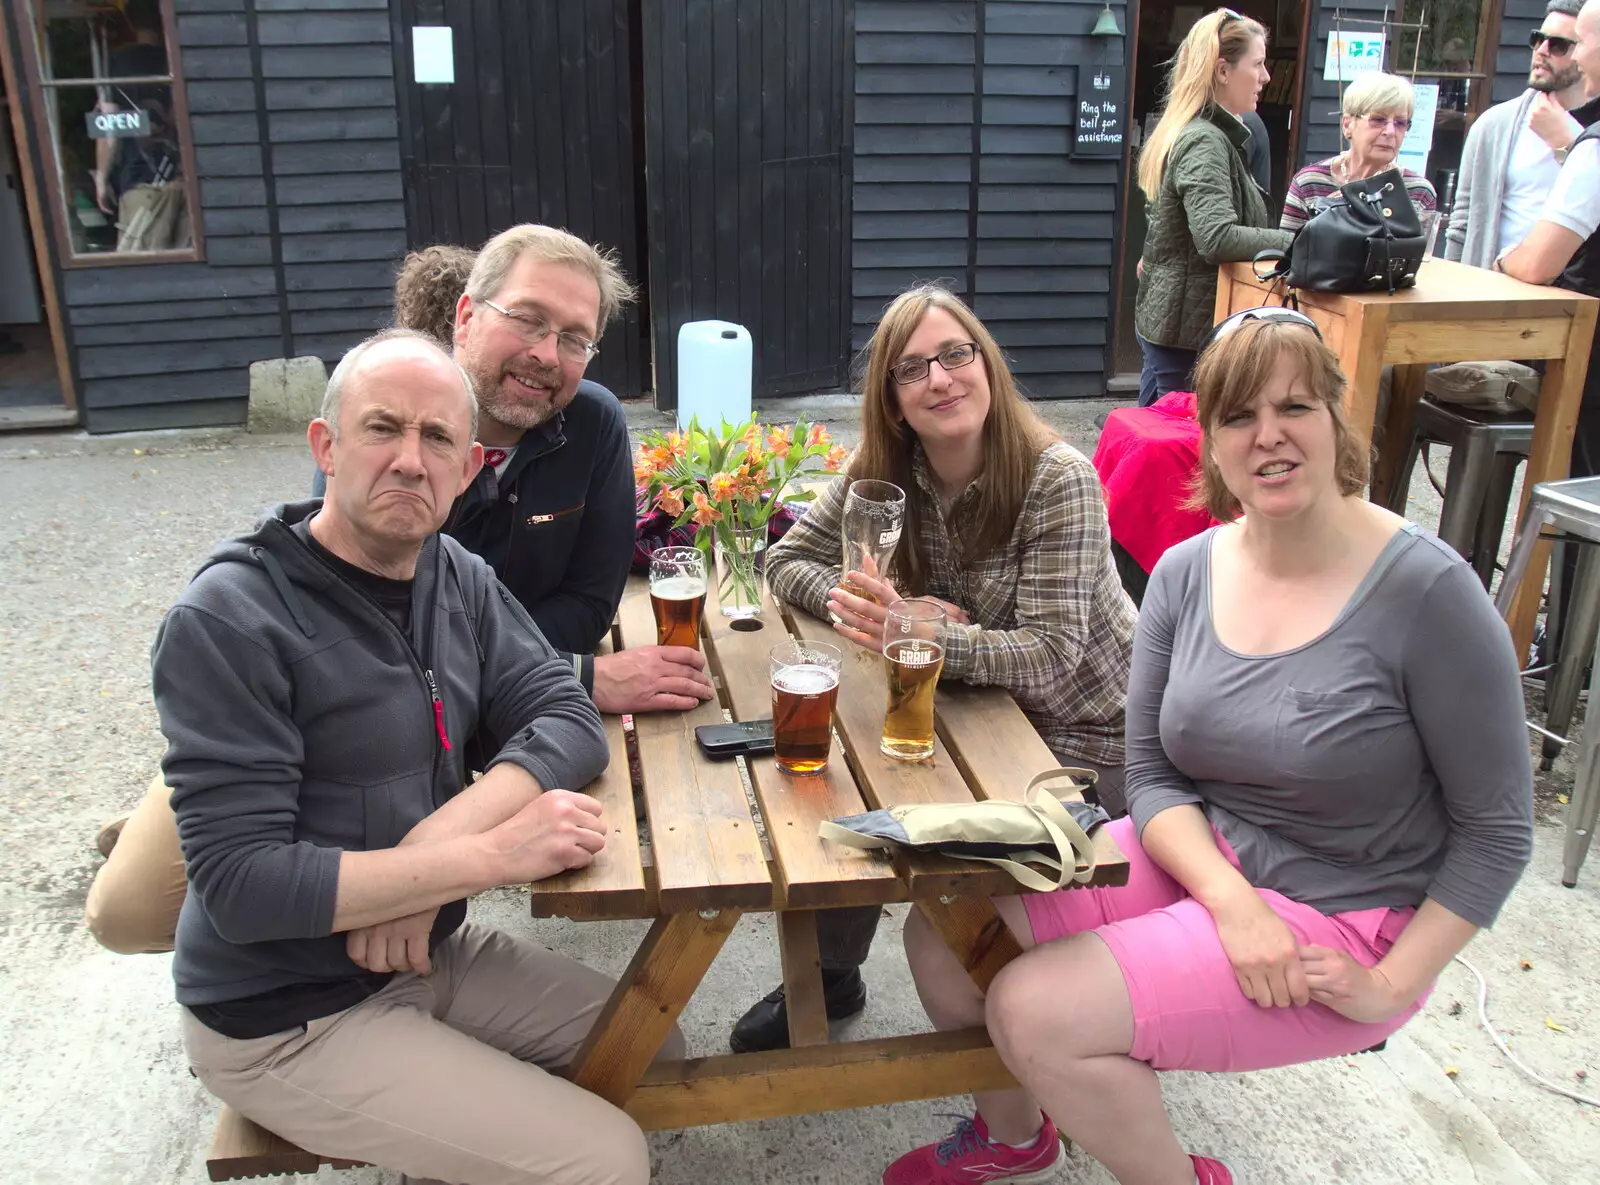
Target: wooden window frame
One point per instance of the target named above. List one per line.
(31, 18)
(1486, 51)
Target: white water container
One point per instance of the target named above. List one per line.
(715, 364)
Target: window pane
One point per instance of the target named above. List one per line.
(122, 180)
(1449, 45)
(118, 143)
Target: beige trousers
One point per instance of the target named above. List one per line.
(135, 898)
(443, 1076)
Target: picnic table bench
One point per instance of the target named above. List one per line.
(694, 859)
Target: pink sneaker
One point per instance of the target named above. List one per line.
(1211, 1172)
(968, 1157)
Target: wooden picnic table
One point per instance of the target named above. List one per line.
(1455, 313)
(705, 865)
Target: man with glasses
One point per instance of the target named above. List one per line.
(553, 509)
(1515, 149)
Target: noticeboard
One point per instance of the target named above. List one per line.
(1101, 126)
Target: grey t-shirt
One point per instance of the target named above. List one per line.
(1383, 761)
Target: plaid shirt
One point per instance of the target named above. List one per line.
(1052, 624)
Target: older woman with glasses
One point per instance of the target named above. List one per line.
(1376, 117)
(1319, 820)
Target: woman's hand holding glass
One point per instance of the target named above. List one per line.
(861, 618)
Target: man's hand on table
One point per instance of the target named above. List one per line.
(556, 832)
(651, 679)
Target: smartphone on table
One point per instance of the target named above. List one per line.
(747, 738)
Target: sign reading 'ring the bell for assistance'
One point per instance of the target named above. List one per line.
(1102, 116)
(117, 125)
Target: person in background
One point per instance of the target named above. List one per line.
(1258, 150)
(1205, 207)
(1515, 149)
(429, 288)
(1004, 526)
(1375, 117)
(1319, 819)
(1563, 249)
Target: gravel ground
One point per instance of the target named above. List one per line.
(99, 536)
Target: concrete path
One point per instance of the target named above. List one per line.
(99, 536)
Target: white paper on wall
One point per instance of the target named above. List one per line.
(433, 57)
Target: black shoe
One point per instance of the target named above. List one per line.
(766, 1025)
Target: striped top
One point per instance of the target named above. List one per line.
(1316, 181)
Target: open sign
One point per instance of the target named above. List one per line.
(117, 125)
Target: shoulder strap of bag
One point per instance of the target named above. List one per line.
(1063, 831)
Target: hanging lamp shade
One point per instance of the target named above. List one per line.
(1106, 25)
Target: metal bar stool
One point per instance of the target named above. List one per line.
(1572, 508)
(1485, 450)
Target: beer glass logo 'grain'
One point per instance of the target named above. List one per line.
(913, 653)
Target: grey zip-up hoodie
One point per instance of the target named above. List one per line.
(300, 722)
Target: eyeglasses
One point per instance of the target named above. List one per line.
(1264, 313)
(912, 370)
(1559, 46)
(533, 329)
(1378, 122)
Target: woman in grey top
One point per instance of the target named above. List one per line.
(1329, 786)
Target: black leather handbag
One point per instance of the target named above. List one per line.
(1365, 238)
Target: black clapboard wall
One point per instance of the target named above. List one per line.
(292, 104)
(964, 173)
(538, 127)
(747, 148)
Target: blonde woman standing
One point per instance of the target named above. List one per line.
(1376, 115)
(1205, 208)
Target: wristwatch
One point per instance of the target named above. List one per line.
(1561, 154)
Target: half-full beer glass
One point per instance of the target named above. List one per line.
(678, 594)
(805, 687)
(913, 653)
(874, 512)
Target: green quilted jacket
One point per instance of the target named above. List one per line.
(1208, 211)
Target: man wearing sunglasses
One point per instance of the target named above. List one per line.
(1515, 149)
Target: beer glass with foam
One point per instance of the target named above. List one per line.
(678, 594)
(805, 687)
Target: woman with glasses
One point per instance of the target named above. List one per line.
(1319, 819)
(1004, 525)
(1205, 208)
(1376, 115)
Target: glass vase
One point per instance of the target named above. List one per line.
(741, 558)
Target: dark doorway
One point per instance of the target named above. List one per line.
(538, 126)
(747, 143)
(1160, 31)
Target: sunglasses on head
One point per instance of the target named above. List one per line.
(1559, 46)
(1264, 313)
(1228, 15)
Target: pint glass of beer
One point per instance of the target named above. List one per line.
(678, 594)
(805, 686)
(874, 512)
(913, 656)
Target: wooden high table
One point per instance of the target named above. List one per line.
(705, 866)
(1455, 313)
